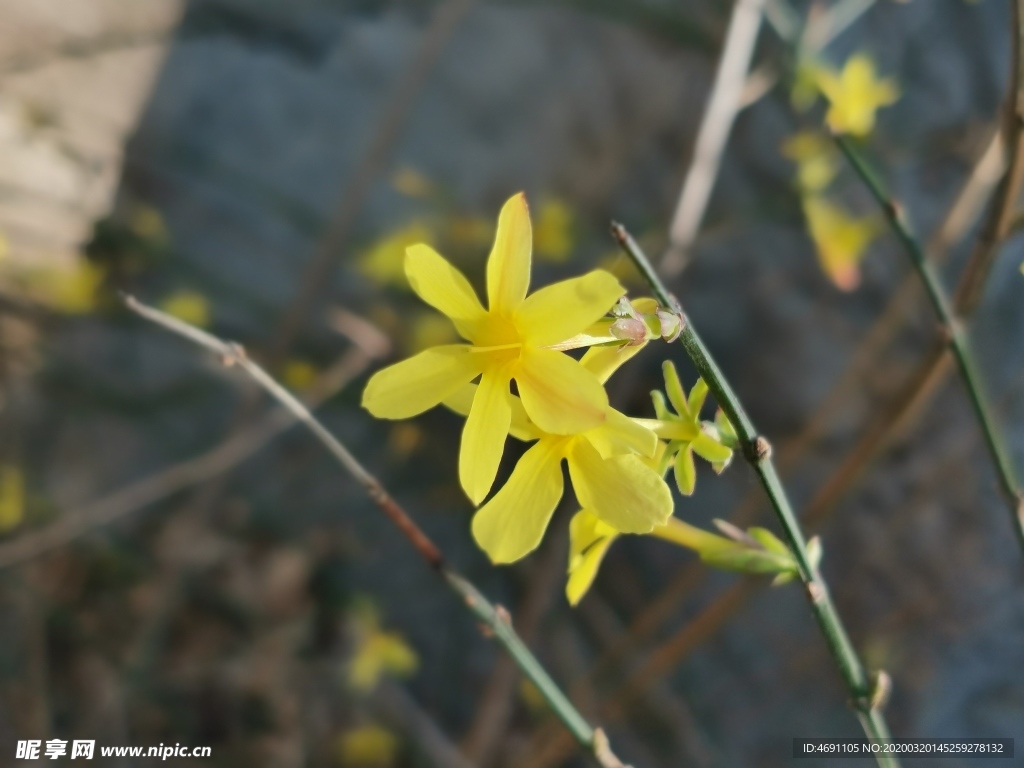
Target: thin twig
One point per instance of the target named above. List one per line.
(726, 101)
(496, 618)
(495, 708)
(388, 131)
(952, 330)
(181, 476)
(757, 452)
(999, 223)
(960, 217)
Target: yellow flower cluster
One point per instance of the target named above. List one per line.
(559, 405)
(855, 94)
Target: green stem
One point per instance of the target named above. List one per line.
(953, 331)
(495, 618)
(757, 451)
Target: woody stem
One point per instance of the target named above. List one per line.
(495, 618)
(757, 452)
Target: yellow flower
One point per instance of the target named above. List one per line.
(590, 538)
(686, 433)
(384, 261)
(366, 746)
(298, 375)
(855, 95)
(189, 306)
(840, 239)
(816, 159)
(606, 467)
(12, 497)
(554, 231)
(72, 290)
(512, 340)
(378, 653)
(412, 183)
(756, 550)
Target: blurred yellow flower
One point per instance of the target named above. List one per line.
(429, 329)
(805, 88)
(4, 247)
(72, 289)
(412, 183)
(816, 158)
(384, 261)
(468, 231)
(298, 374)
(369, 746)
(148, 223)
(531, 696)
(404, 439)
(840, 239)
(377, 653)
(553, 233)
(512, 340)
(188, 306)
(12, 497)
(605, 466)
(855, 95)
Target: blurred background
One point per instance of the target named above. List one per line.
(176, 567)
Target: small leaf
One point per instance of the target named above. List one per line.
(685, 471)
(769, 541)
(784, 578)
(709, 449)
(674, 389)
(726, 432)
(660, 409)
(698, 395)
(746, 560)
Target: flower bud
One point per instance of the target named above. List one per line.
(630, 330)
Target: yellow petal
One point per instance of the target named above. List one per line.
(511, 524)
(562, 310)
(604, 361)
(520, 426)
(621, 435)
(412, 386)
(589, 540)
(483, 437)
(623, 491)
(560, 395)
(444, 288)
(508, 268)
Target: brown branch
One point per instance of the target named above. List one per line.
(998, 225)
(186, 474)
(386, 135)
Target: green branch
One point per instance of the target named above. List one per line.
(494, 617)
(756, 449)
(953, 332)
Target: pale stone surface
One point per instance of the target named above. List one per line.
(74, 77)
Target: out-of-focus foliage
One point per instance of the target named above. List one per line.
(841, 240)
(189, 306)
(377, 653)
(368, 746)
(12, 497)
